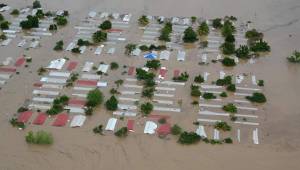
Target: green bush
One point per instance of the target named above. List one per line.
(114, 65)
(99, 36)
(36, 4)
(4, 25)
(148, 92)
(82, 42)
(260, 46)
(144, 48)
(112, 104)
(257, 98)
(189, 138)
(183, 77)
(106, 25)
(15, 12)
(195, 92)
(228, 48)
(31, 22)
(223, 94)
(254, 35)
(154, 64)
(203, 29)
(222, 126)
(194, 19)
(242, 52)
(94, 98)
(227, 29)
(190, 35)
(98, 129)
(3, 37)
(217, 24)
(229, 62)
(52, 27)
(165, 32)
(176, 130)
(40, 137)
(227, 140)
(61, 20)
(59, 46)
(123, 132)
(199, 79)
(129, 48)
(223, 82)
(231, 88)
(231, 108)
(144, 75)
(143, 20)
(294, 58)
(146, 108)
(208, 96)
(230, 38)
(261, 83)
(75, 50)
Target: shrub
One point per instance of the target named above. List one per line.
(119, 82)
(194, 19)
(189, 138)
(231, 108)
(40, 137)
(195, 92)
(208, 96)
(203, 29)
(183, 77)
(22, 109)
(123, 132)
(94, 98)
(61, 20)
(14, 122)
(146, 108)
(129, 48)
(144, 48)
(222, 126)
(176, 130)
(75, 50)
(52, 27)
(59, 46)
(3, 37)
(230, 38)
(112, 104)
(254, 35)
(294, 58)
(229, 62)
(4, 25)
(40, 14)
(242, 52)
(106, 25)
(217, 24)
(260, 46)
(223, 94)
(154, 64)
(15, 12)
(260, 83)
(143, 20)
(114, 65)
(228, 48)
(227, 140)
(36, 4)
(148, 92)
(88, 110)
(199, 79)
(257, 98)
(231, 88)
(98, 129)
(190, 35)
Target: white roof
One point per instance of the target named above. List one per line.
(91, 76)
(53, 80)
(186, 21)
(99, 50)
(124, 113)
(92, 14)
(101, 84)
(175, 20)
(115, 15)
(104, 15)
(204, 58)
(70, 46)
(22, 43)
(164, 55)
(103, 68)
(201, 132)
(78, 121)
(44, 92)
(87, 66)
(127, 17)
(82, 49)
(111, 50)
(111, 124)
(150, 127)
(34, 44)
(57, 64)
(181, 55)
(136, 52)
(5, 8)
(126, 107)
(59, 74)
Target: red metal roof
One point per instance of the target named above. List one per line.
(61, 119)
(131, 71)
(24, 116)
(176, 73)
(87, 82)
(20, 61)
(72, 65)
(130, 124)
(164, 129)
(8, 69)
(40, 119)
(77, 102)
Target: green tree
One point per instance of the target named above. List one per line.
(36, 4)
(231, 88)
(114, 65)
(122, 132)
(61, 20)
(129, 48)
(228, 62)
(106, 25)
(146, 108)
(217, 23)
(228, 28)
(203, 29)
(143, 20)
(176, 130)
(165, 32)
(99, 36)
(208, 96)
(15, 12)
(190, 35)
(31, 22)
(254, 35)
(260, 46)
(154, 64)
(231, 108)
(257, 98)
(94, 98)
(228, 48)
(189, 138)
(112, 103)
(4, 25)
(59, 46)
(222, 126)
(199, 79)
(242, 52)
(294, 58)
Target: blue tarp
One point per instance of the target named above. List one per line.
(150, 56)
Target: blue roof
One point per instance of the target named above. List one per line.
(150, 56)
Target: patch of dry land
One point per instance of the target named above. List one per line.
(274, 123)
